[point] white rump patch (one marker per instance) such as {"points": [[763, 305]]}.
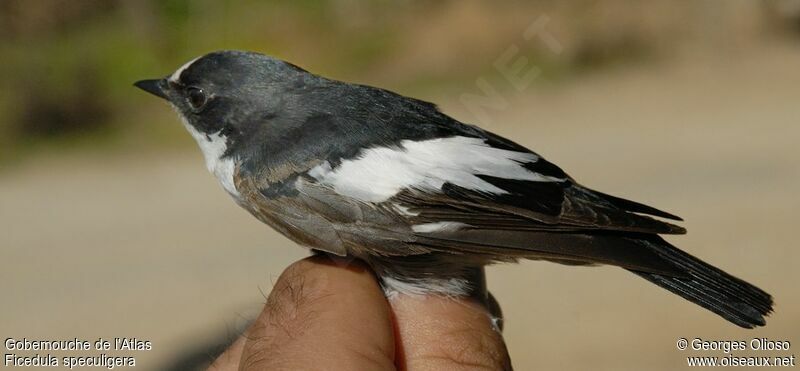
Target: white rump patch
{"points": [[377, 174], [438, 227], [177, 74], [213, 147], [438, 286]]}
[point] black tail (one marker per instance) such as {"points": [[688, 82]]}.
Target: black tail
{"points": [[733, 299]]}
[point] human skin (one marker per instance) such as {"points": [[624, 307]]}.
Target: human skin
{"points": [[325, 314]]}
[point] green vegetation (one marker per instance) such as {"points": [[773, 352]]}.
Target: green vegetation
{"points": [[68, 66]]}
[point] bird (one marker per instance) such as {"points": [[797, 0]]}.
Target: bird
{"points": [[426, 201]]}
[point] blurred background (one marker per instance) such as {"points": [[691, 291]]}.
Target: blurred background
{"points": [[111, 226]]}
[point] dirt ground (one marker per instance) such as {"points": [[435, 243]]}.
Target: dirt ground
{"points": [[148, 245]]}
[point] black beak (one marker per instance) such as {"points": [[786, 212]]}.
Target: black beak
{"points": [[155, 87]]}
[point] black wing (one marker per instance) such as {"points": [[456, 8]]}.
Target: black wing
{"points": [[538, 206], [555, 219]]}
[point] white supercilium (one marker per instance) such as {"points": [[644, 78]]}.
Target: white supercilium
{"points": [[177, 74]]}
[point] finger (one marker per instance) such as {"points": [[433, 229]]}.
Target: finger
{"points": [[321, 314], [444, 333], [229, 359]]}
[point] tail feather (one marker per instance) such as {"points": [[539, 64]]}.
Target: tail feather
{"points": [[735, 300], [646, 255]]}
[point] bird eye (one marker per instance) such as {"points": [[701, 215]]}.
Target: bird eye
{"points": [[196, 98]]}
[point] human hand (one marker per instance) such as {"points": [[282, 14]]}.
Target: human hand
{"points": [[321, 315]]}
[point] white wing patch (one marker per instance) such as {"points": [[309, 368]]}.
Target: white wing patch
{"points": [[405, 210], [377, 174], [213, 147], [438, 227]]}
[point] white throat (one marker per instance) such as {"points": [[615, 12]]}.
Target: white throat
{"points": [[213, 147]]}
